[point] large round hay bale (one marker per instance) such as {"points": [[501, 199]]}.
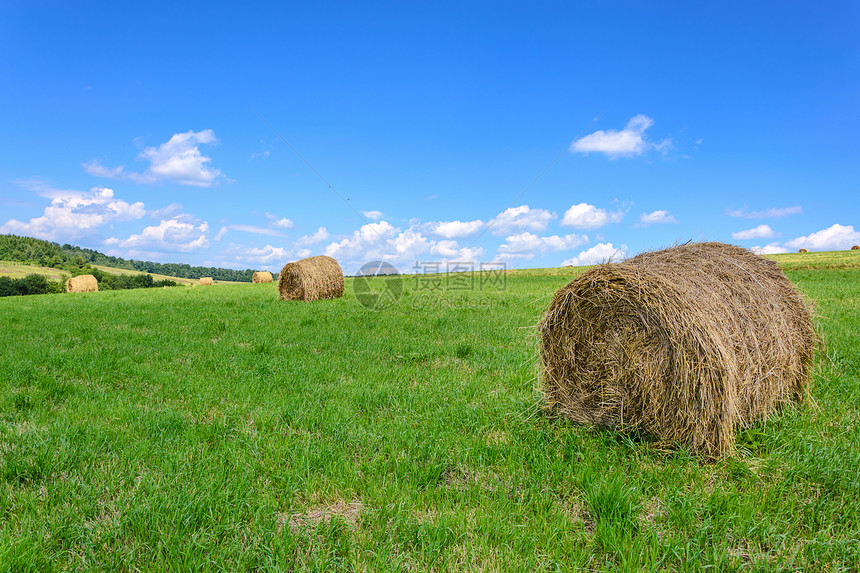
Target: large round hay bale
{"points": [[689, 344], [261, 277], [82, 283], [206, 281], [803, 251], [311, 279], [855, 248]]}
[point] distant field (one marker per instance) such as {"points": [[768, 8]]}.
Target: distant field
{"points": [[18, 270], [154, 276], [818, 260], [223, 429]]}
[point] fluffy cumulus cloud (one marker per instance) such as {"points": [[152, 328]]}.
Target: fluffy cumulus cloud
{"points": [[834, 238], [771, 249], [527, 245], [657, 218], [456, 229], [318, 237], [179, 160], [522, 218], [585, 216], [368, 239], [627, 142], [773, 212], [599, 253], [180, 234], [402, 248], [283, 223], [373, 215], [74, 214], [267, 255], [452, 251], [760, 232]]}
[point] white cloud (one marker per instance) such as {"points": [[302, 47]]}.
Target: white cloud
{"points": [[585, 216], [253, 229], [599, 253], [168, 212], [402, 248], [771, 249], [179, 234], [456, 229], [521, 219], [527, 245], [99, 170], [178, 160], [760, 232], [267, 255], [74, 214], [373, 215], [834, 238], [284, 223], [364, 240], [451, 251], [280, 222], [657, 217], [319, 236], [776, 212], [628, 142]]}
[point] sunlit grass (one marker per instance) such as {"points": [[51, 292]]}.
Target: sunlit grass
{"points": [[220, 428]]}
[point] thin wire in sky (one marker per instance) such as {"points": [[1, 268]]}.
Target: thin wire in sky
{"points": [[329, 185], [535, 180]]}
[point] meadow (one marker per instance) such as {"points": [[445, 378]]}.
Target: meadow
{"points": [[220, 429]]}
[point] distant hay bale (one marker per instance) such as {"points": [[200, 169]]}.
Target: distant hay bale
{"points": [[261, 277], [82, 283], [855, 248], [204, 281], [311, 279], [689, 344], [803, 251]]}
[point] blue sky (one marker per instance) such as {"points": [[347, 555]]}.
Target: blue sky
{"points": [[534, 133]]}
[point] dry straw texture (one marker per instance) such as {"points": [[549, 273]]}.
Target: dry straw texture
{"points": [[311, 279], [689, 344], [261, 277], [82, 283], [803, 251], [855, 248], [206, 280]]}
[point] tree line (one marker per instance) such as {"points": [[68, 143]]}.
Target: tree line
{"points": [[68, 257]]}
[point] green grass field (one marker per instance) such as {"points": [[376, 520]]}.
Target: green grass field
{"points": [[215, 429]]}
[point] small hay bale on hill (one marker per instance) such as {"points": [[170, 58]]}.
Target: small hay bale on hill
{"points": [[82, 283], [261, 277], [206, 281], [311, 279], [803, 251], [855, 248], [689, 344]]}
